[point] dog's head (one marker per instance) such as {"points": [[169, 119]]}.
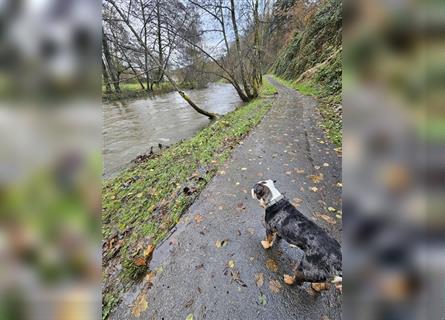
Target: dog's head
{"points": [[265, 191]]}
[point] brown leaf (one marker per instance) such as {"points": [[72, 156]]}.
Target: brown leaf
{"points": [[259, 279], [198, 218], [299, 170], [240, 207], [296, 202], [140, 261], [274, 286], [189, 303], [271, 265], [140, 305]]}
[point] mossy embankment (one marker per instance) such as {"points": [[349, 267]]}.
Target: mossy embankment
{"points": [[143, 203], [312, 64]]}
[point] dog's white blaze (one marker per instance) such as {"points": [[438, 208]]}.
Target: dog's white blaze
{"points": [[253, 193], [273, 190]]}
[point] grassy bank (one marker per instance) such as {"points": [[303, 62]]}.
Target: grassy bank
{"points": [[144, 202], [134, 90], [331, 120]]}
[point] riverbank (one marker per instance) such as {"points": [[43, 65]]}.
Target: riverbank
{"points": [[328, 107], [134, 90], [142, 204]]}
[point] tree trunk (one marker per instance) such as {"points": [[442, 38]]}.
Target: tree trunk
{"points": [[159, 36], [110, 64], [106, 78], [257, 76], [238, 50]]}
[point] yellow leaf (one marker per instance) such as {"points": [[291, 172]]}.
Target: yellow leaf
{"points": [[149, 250], [189, 317], [259, 279], [231, 264], [140, 305], [314, 189], [331, 209]]}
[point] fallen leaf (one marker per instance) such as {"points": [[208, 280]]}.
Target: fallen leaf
{"points": [[149, 277], [288, 172], [240, 207], [140, 261], [300, 171], [189, 303], [259, 279], [221, 243], [149, 250], [316, 167], [296, 202], [222, 172], [251, 231], [331, 209], [189, 317], [271, 265], [236, 277], [313, 189], [231, 264], [198, 218], [325, 164], [243, 169], [326, 218], [237, 183], [339, 184], [316, 178], [139, 195], [140, 305], [262, 299], [220, 208], [338, 216], [274, 286]]}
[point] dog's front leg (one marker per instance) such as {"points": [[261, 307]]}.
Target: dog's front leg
{"points": [[268, 242]]}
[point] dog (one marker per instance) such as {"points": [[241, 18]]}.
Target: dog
{"points": [[322, 259]]}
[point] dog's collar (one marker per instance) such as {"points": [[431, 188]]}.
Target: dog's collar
{"points": [[273, 201]]}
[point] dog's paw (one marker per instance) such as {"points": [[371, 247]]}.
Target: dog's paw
{"points": [[266, 244], [318, 287], [288, 279]]}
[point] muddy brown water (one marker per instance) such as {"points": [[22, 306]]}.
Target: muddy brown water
{"points": [[131, 127]]}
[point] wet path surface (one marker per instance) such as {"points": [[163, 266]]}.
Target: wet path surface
{"points": [[197, 273]]}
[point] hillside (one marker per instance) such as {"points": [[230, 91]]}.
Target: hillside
{"points": [[312, 63]]}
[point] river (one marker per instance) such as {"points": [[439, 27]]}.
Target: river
{"points": [[131, 127]]}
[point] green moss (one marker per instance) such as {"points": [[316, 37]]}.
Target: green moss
{"points": [[144, 202]]}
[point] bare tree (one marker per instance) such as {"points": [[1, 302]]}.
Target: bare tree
{"points": [[142, 38]]}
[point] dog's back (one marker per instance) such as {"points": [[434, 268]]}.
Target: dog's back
{"points": [[319, 247]]}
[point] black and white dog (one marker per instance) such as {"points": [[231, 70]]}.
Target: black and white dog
{"points": [[322, 260]]}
